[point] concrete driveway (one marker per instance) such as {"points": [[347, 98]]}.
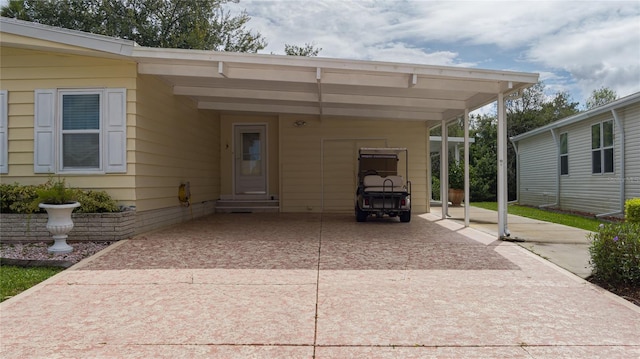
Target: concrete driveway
{"points": [[317, 286]]}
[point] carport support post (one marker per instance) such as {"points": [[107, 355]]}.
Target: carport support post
{"points": [[467, 198], [502, 168], [444, 170]]}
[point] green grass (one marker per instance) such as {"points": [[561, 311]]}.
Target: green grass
{"points": [[14, 280], [572, 220]]}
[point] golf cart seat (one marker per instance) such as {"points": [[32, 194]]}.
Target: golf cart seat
{"points": [[376, 183]]}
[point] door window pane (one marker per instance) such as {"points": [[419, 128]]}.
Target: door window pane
{"points": [[251, 154]]}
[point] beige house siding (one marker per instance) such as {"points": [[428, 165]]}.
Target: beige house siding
{"points": [[169, 141], [537, 170], [631, 119], [23, 71], [581, 190], [318, 160], [174, 143]]}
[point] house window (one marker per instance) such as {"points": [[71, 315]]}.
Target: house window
{"points": [[602, 147], [80, 135], [564, 154], [80, 131]]}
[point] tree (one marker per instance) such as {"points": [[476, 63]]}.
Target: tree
{"points": [[187, 24], [601, 96], [306, 50]]}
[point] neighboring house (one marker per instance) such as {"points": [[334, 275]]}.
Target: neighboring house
{"points": [[589, 162], [138, 122]]}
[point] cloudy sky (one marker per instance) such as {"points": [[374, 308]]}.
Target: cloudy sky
{"points": [[576, 46]]}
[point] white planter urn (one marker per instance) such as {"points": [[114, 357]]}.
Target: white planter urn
{"points": [[59, 224]]}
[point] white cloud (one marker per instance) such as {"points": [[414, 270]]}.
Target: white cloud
{"points": [[577, 46]]}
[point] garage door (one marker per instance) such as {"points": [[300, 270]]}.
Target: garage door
{"points": [[339, 168]]}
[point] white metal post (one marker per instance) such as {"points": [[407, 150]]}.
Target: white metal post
{"points": [[466, 168], [502, 168], [444, 170]]}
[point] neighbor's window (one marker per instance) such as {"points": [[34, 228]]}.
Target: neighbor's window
{"points": [[80, 131], [602, 147], [564, 154]]}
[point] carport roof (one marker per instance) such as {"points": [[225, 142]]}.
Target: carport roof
{"points": [[241, 82]]}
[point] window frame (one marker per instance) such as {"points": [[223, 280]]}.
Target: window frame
{"points": [[61, 131], [602, 149], [46, 131]]}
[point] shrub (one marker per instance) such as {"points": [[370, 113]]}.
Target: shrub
{"points": [[435, 188], [17, 198], [615, 253], [632, 210]]}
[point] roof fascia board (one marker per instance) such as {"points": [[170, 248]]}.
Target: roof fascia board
{"points": [[146, 54], [68, 37], [620, 103]]}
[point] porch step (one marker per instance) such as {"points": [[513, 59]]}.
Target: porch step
{"points": [[247, 206]]}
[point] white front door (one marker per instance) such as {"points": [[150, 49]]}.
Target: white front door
{"points": [[250, 160]]}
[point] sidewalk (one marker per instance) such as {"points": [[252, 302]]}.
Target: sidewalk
{"points": [[568, 247], [317, 286]]}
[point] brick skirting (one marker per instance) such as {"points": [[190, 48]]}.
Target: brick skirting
{"points": [[95, 227]]}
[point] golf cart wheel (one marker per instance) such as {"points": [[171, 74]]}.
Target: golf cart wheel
{"points": [[361, 216], [405, 216]]}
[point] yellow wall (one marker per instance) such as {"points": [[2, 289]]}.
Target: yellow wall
{"points": [[168, 139], [318, 161], [22, 71], [174, 143]]}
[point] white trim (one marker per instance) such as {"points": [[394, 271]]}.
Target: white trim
{"points": [[68, 37]]}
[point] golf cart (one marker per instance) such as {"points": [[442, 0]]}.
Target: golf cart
{"points": [[381, 190]]}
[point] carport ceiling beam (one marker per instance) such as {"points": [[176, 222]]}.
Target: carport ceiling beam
{"points": [[329, 111], [244, 93], [395, 101], [178, 70], [246, 107]]}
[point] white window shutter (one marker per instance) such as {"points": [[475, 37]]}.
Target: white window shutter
{"points": [[4, 132], [44, 131], [116, 131]]}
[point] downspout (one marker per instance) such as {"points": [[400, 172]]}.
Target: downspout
{"points": [[616, 120], [515, 148], [556, 140], [503, 231]]}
